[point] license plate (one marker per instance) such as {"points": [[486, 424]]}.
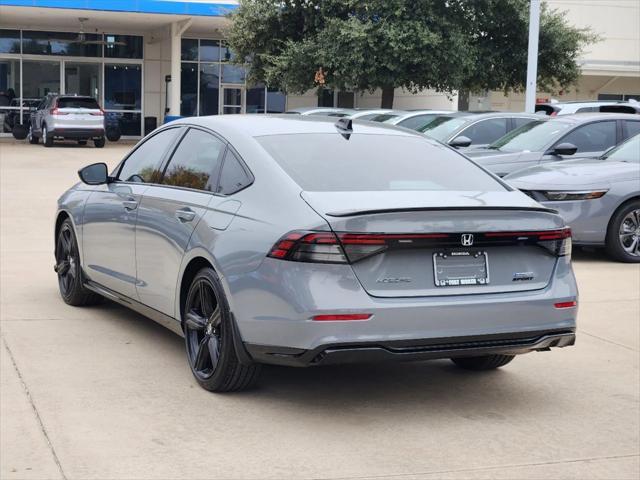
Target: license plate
{"points": [[460, 268]]}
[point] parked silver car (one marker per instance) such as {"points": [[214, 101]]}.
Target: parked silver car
{"points": [[464, 129], [583, 135], [68, 117], [603, 106], [294, 240], [598, 197]]}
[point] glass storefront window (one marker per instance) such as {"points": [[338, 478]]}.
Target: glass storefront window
{"points": [[123, 46], [227, 54], [127, 122], [40, 78], [209, 51], [82, 79], [9, 94], [60, 43], [9, 41], [189, 49], [122, 87], [256, 99], [209, 88], [276, 101], [188, 89], [233, 74]]}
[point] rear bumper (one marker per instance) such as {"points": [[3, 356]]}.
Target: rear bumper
{"points": [[78, 133], [413, 350]]}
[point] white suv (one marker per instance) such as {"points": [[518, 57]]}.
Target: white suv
{"points": [[70, 117], [554, 108]]}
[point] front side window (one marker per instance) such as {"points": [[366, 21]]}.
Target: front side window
{"points": [[593, 137], [486, 131], [143, 165], [195, 162], [233, 177], [365, 162]]}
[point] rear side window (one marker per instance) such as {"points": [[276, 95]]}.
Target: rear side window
{"points": [[631, 128], [144, 163], [593, 137], [234, 177], [364, 162], [486, 131], [74, 102], [518, 122], [196, 161]]}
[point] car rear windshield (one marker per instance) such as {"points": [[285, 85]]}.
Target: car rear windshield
{"points": [[325, 162], [77, 102]]}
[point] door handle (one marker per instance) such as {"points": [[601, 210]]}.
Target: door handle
{"points": [[185, 214], [130, 204]]}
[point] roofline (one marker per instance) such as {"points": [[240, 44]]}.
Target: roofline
{"points": [[166, 7]]}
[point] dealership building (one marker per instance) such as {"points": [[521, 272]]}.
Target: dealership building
{"points": [[145, 59]]}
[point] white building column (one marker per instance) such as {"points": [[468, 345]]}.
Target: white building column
{"points": [[177, 29]]}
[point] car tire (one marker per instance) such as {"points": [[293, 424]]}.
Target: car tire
{"points": [[99, 142], [485, 362], [82, 142], [113, 134], [33, 140], [69, 270], [209, 337], [623, 234], [47, 140], [19, 131]]}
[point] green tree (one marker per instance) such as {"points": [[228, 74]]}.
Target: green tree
{"points": [[364, 45]]}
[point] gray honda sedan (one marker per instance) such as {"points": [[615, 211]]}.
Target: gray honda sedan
{"points": [[598, 197], [306, 241]]}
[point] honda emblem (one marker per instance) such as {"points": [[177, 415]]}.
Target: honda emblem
{"points": [[467, 239]]}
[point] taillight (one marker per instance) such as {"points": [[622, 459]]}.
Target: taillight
{"points": [[571, 304], [55, 111], [349, 317], [558, 242], [316, 247], [100, 113]]}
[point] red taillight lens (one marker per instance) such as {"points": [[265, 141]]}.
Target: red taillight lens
{"points": [[316, 247], [341, 318], [100, 113], [55, 111], [571, 304], [558, 242]]}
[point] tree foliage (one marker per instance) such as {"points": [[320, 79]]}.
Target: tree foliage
{"points": [[363, 45]]}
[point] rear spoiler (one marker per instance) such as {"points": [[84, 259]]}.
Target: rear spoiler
{"points": [[354, 213]]}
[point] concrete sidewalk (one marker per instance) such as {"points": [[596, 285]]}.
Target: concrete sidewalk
{"points": [[103, 393]]}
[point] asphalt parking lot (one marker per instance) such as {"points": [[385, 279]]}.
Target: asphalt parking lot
{"points": [[103, 393]]}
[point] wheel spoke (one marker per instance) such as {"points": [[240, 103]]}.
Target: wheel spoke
{"points": [[63, 267], [633, 248], [216, 317], [203, 354], [214, 350], [195, 321]]}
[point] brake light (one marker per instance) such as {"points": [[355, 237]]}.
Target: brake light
{"points": [[316, 247], [571, 304], [100, 113], [56, 111], [341, 318], [558, 242]]}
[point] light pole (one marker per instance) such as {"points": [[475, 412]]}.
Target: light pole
{"points": [[532, 57]]}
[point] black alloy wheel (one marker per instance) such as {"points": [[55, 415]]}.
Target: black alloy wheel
{"points": [[69, 271], [209, 337]]}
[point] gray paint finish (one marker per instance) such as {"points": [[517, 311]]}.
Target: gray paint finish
{"points": [[273, 300]]}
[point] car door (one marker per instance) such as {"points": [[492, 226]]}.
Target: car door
{"points": [[111, 211], [169, 212], [36, 120], [484, 132], [591, 139]]}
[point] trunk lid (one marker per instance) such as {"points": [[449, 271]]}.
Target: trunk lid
{"points": [[423, 234]]}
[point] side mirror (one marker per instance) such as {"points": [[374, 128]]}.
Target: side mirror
{"points": [[460, 142], [565, 148], [94, 174]]}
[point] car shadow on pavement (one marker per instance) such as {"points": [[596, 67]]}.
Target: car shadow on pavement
{"points": [[435, 384]]}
